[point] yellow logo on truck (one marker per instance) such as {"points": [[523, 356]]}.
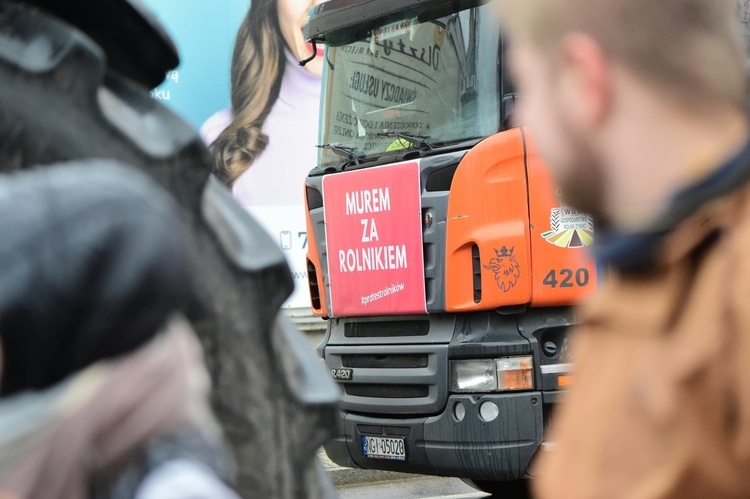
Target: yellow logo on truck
{"points": [[570, 228]]}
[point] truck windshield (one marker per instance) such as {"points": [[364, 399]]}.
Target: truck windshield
{"points": [[413, 85]]}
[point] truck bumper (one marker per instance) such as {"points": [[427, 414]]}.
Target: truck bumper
{"points": [[474, 447]]}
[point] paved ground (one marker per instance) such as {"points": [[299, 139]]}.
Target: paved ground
{"points": [[421, 487], [350, 476]]}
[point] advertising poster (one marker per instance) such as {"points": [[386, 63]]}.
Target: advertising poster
{"points": [[273, 127]]}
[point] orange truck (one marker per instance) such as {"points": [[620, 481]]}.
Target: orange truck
{"points": [[439, 251]]}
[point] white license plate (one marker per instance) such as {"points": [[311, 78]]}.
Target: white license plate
{"points": [[384, 448]]}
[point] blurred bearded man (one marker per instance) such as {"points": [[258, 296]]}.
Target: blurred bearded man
{"points": [[639, 106]]}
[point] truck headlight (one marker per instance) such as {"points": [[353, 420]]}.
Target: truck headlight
{"points": [[496, 375], [473, 376]]}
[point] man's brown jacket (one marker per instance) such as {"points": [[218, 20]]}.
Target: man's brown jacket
{"points": [[661, 400]]}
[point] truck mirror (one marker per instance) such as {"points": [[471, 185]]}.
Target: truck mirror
{"points": [[509, 110]]}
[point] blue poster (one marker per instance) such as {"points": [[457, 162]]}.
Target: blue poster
{"points": [[204, 32]]}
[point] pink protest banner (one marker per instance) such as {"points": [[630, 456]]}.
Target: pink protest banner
{"points": [[374, 239]]}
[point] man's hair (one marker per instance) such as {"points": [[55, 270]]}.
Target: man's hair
{"points": [[692, 48]]}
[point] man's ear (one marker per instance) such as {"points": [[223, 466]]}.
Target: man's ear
{"points": [[589, 77]]}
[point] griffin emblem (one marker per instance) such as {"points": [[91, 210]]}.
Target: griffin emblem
{"points": [[506, 268]]}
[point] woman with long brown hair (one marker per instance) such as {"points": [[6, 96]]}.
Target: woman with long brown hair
{"points": [[272, 125], [264, 146]]}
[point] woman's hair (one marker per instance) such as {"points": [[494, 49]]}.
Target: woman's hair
{"points": [[257, 71]]}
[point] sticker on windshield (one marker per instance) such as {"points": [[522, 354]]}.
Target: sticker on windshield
{"points": [[393, 30], [570, 228]]}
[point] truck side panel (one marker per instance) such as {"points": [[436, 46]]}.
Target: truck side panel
{"points": [[316, 279], [488, 256], [563, 272]]}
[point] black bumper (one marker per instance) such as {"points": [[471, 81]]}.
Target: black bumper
{"points": [[501, 449]]}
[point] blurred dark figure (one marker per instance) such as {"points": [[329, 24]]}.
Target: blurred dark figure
{"points": [[640, 108], [74, 84], [103, 392]]}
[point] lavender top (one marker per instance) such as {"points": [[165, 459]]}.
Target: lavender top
{"points": [[276, 177]]}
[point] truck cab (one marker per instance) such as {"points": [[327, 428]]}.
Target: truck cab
{"points": [[440, 253]]}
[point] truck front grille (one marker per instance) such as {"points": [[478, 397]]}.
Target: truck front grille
{"points": [[385, 361], [387, 391], [392, 379], [399, 364], [385, 329]]}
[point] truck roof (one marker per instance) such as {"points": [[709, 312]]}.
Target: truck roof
{"points": [[340, 22]]}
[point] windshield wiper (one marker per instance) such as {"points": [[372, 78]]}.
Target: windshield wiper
{"points": [[351, 153], [418, 141]]}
